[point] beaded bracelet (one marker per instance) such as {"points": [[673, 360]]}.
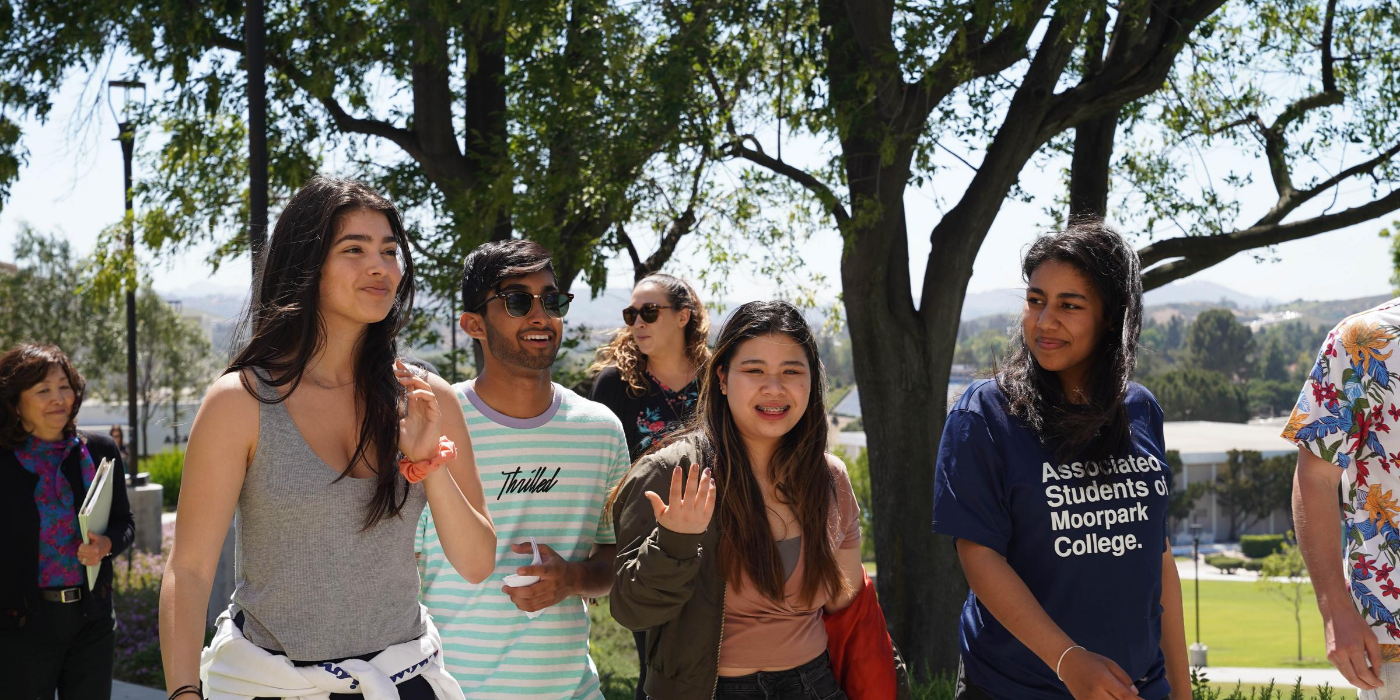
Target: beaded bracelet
{"points": [[415, 472]]}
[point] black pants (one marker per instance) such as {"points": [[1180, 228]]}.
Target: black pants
{"points": [[59, 650], [641, 639], [810, 681], [415, 688]]}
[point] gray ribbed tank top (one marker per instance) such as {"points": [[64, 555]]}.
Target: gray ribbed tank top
{"points": [[310, 583]]}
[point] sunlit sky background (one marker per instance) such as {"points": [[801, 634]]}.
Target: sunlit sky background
{"points": [[72, 185]]}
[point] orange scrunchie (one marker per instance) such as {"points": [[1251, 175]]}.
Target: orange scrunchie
{"points": [[415, 472]]}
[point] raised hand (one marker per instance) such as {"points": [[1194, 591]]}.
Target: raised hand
{"points": [[421, 425], [692, 502]]}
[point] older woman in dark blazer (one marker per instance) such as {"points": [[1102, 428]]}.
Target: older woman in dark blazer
{"points": [[56, 632]]}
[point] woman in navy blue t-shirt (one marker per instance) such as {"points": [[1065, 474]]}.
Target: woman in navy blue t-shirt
{"points": [[1053, 480]]}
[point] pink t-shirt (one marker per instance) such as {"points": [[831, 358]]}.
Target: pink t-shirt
{"points": [[759, 632]]}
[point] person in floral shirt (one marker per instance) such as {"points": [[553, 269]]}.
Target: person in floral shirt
{"points": [[1342, 425]]}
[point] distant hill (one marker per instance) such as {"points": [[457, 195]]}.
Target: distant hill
{"points": [[1009, 300], [1189, 291]]}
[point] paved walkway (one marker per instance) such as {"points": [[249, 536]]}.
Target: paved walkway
{"points": [[127, 691], [1282, 677], [1187, 571]]}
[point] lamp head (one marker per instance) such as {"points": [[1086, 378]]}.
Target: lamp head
{"points": [[125, 98]]}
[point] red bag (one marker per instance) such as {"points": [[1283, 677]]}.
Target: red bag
{"points": [[862, 655]]}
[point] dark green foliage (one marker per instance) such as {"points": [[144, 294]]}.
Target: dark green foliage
{"points": [[1249, 487], [1197, 394], [1224, 563], [1260, 546], [1220, 343], [1200, 690], [1269, 397], [165, 469]]}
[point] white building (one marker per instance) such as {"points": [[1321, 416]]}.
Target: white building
{"points": [[1204, 446]]}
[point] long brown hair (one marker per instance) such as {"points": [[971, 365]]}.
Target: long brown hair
{"points": [[623, 352], [20, 369], [802, 479], [287, 330]]}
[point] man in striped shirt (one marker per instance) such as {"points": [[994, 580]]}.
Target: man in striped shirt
{"points": [[548, 459]]}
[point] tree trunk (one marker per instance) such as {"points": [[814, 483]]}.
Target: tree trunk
{"points": [[1093, 140], [1089, 168]]}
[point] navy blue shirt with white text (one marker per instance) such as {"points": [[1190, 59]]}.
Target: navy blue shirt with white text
{"points": [[1086, 536]]}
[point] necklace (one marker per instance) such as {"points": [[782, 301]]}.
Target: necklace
{"points": [[324, 385], [667, 399]]}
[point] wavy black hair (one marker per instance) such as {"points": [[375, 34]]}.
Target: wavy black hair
{"points": [[1034, 393], [287, 329]]}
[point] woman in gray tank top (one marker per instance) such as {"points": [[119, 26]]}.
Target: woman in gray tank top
{"points": [[299, 445]]}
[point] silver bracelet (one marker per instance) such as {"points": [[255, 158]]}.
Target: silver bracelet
{"points": [[1062, 660]]}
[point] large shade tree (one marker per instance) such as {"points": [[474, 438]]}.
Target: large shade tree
{"points": [[1134, 90], [544, 119]]}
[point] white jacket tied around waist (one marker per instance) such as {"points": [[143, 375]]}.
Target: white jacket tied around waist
{"points": [[233, 668]]}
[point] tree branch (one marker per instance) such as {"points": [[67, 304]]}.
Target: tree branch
{"points": [[1132, 69], [798, 175], [626, 241], [1200, 252], [1286, 205], [403, 138]]}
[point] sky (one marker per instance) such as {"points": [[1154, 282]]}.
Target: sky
{"points": [[72, 185]]}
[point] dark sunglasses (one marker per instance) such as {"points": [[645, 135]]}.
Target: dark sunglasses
{"points": [[518, 304], [648, 312]]}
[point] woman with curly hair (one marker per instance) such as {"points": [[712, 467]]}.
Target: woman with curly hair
{"points": [[663, 345], [648, 374]]}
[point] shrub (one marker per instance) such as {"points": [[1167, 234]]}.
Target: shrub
{"points": [[1253, 565], [165, 469], [136, 600], [1224, 563], [1201, 690], [1260, 546]]}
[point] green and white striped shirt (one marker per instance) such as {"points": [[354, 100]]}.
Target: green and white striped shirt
{"points": [[549, 477]]}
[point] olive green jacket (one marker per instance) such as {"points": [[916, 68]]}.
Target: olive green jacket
{"points": [[667, 583]]}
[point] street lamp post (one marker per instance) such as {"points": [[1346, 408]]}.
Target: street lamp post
{"points": [[1198, 650], [127, 137]]}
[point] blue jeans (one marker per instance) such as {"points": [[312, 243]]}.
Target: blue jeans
{"points": [[810, 681]]}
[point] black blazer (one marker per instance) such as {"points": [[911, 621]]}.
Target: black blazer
{"points": [[19, 544]]}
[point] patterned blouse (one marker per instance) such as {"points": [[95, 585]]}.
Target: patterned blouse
{"points": [[58, 519], [650, 417]]}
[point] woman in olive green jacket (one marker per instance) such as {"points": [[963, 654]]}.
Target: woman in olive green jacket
{"points": [[759, 535]]}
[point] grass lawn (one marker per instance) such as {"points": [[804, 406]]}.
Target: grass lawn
{"points": [[1245, 626], [613, 650]]}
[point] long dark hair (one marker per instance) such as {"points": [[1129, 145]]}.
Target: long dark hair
{"points": [[1035, 394], [802, 480], [21, 368], [287, 329], [623, 351]]}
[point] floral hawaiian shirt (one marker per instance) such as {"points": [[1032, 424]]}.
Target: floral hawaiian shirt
{"points": [[1344, 415]]}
